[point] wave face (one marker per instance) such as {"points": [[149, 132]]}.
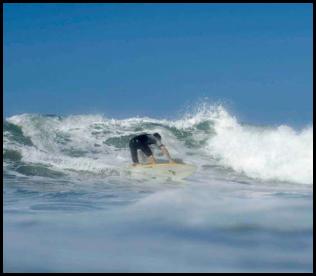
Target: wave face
{"points": [[54, 146]]}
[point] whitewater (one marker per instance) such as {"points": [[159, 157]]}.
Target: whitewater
{"points": [[69, 205]]}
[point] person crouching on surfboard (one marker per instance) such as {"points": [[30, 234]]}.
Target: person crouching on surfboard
{"points": [[142, 142]]}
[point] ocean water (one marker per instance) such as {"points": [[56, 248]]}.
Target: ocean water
{"points": [[69, 205]]}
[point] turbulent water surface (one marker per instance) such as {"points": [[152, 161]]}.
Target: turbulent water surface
{"points": [[71, 206]]}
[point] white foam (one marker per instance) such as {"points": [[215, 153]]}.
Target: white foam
{"points": [[267, 153]]}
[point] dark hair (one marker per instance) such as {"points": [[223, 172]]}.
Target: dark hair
{"points": [[157, 135]]}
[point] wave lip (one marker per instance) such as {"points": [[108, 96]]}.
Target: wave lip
{"points": [[279, 153]]}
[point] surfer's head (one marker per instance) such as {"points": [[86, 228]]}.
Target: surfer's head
{"points": [[157, 135]]}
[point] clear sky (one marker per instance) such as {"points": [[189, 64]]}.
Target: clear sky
{"points": [[124, 60]]}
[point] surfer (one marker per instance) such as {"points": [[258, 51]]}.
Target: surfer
{"points": [[142, 142]]}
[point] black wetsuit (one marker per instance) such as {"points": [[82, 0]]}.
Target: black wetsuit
{"points": [[142, 142]]}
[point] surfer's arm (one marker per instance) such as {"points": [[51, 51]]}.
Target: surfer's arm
{"points": [[166, 153]]}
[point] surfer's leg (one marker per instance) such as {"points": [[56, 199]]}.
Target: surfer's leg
{"points": [[133, 150], [151, 159], [146, 149]]}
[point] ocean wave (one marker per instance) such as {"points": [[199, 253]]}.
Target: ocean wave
{"points": [[93, 143]]}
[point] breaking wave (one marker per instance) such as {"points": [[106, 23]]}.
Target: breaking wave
{"points": [[54, 146]]}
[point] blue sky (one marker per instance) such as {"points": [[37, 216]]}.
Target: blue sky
{"points": [[124, 60]]}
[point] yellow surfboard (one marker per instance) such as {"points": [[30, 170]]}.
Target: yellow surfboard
{"points": [[174, 171]]}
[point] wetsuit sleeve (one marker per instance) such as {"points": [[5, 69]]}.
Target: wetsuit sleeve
{"points": [[156, 141]]}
